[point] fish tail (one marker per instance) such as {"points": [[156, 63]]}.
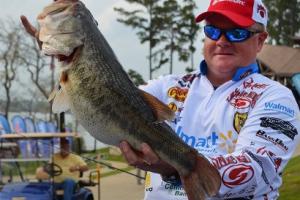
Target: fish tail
{"points": [[203, 181]]}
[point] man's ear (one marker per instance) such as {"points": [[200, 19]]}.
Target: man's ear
{"points": [[261, 40]]}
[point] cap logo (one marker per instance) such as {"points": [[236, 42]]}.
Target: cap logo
{"points": [[261, 10], [240, 2]]}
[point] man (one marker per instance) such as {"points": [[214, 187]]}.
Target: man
{"points": [[244, 123], [71, 165]]}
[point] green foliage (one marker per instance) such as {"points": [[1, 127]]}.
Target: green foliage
{"points": [[284, 18], [144, 20], [136, 78], [290, 188], [167, 25]]}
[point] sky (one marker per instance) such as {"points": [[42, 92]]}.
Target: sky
{"points": [[122, 39]]}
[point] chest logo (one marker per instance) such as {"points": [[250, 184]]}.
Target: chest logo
{"points": [[242, 99], [239, 120]]}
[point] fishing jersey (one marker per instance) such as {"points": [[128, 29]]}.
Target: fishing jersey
{"points": [[247, 128]]}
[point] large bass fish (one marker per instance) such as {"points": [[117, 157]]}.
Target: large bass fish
{"points": [[99, 93]]}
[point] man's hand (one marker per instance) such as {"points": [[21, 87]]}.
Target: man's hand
{"points": [[82, 168], [146, 159], [74, 168]]}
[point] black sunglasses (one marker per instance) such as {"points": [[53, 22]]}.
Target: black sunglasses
{"points": [[232, 35]]}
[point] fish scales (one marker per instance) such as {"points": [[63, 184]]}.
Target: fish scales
{"points": [[104, 100], [116, 110]]}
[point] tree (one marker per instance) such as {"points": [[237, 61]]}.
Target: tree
{"points": [[169, 28], [170, 18], [146, 23], [190, 31], [136, 78], [41, 69], [10, 38], [284, 18]]}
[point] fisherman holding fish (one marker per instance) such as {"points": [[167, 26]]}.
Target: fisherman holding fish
{"points": [[244, 123], [233, 130]]}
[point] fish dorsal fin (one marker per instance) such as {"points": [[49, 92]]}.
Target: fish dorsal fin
{"points": [[161, 111], [60, 101]]}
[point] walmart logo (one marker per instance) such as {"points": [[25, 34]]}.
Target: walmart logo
{"points": [[210, 144], [279, 107], [228, 141]]}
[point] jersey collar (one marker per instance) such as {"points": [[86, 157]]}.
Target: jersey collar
{"points": [[241, 72]]}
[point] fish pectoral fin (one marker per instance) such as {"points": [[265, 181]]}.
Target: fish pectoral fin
{"points": [[61, 102], [161, 111]]}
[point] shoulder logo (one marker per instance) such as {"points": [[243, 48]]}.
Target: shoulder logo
{"points": [[178, 93]]}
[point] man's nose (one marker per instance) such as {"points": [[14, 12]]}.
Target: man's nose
{"points": [[222, 41]]}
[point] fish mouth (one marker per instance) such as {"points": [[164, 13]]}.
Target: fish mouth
{"points": [[67, 59]]}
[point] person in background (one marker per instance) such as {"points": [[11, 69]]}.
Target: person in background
{"points": [[244, 123], [71, 166]]}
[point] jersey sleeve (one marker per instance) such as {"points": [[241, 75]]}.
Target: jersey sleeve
{"points": [[154, 87], [265, 144]]}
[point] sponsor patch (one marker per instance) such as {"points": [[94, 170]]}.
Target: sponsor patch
{"points": [[222, 161], [239, 120], [228, 141], [178, 93], [198, 142], [173, 106], [278, 142], [211, 143], [284, 127], [280, 108], [187, 80], [148, 187], [245, 74], [242, 99], [237, 175], [261, 11], [250, 84]]}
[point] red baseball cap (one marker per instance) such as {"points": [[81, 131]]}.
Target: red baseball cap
{"points": [[244, 13]]}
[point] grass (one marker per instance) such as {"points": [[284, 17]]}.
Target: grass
{"points": [[290, 189]]}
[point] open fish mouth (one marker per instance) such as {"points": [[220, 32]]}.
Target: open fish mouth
{"points": [[67, 59], [60, 31]]}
